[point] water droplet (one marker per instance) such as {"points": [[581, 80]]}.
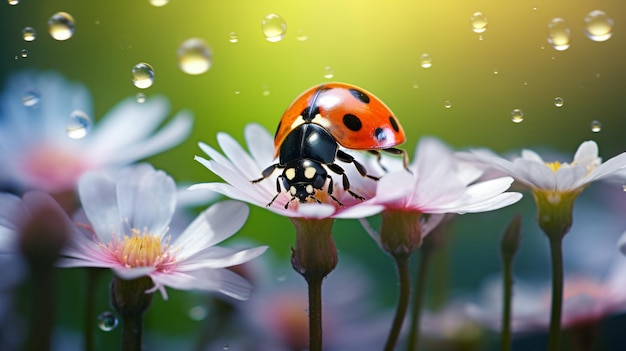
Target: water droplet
{"points": [[198, 313], [517, 115], [426, 61], [596, 126], [13, 2], [496, 72], [265, 90], [140, 97], [558, 34], [226, 347], [415, 86], [143, 75], [237, 92], [61, 26], [447, 104], [158, 3], [274, 27], [78, 124], [29, 34], [598, 26], [30, 99], [478, 22], [232, 37], [194, 56], [624, 187], [301, 35], [558, 101], [24, 53], [329, 73], [107, 321], [281, 278]]}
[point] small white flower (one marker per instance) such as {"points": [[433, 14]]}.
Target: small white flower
{"points": [[36, 152], [531, 170], [130, 211], [238, 168]]}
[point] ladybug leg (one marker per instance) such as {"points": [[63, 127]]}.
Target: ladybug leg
{"points": [[266, 173], [347, 158], [378, 158], [346, 184], [398, 152], [330, 189], [278, 190]]}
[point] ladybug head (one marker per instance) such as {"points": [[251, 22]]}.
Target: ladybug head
{"points": [[302, 177]]}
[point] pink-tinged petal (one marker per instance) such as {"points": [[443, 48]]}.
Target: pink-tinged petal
{"points": [[260, 143], [146, 198], [121, 126], [99, 201], [530, 155], [133, 273], [218, 257], [165, 138], [491, 204], [317, 211], [359, 211], [221, 280], [608, 169], [389, 190], [587, 154], [212, 226], [432, 222]]}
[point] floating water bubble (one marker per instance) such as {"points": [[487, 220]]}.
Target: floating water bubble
{"points": [[558, 101], [143, 75], [23, 53], [415, 86], [30, 98], [496, 72], [598, 26], [61, 26], [426, 61], [517, 115], [447, 104], [140, 98], [265, 90], [274, 27], [596, 126], [559, 34], [159, 3], [107, 321], [225, 347], [29, 34], [237, 92], [624, 187], [478, 22], [281, 278], [194, 56], [232, 37], [13, 2], [301, 35], [329, 73], [198, 313], [78, 124]]}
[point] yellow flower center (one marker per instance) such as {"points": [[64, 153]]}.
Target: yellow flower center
{"points": [[142, 249], [554, 166]]}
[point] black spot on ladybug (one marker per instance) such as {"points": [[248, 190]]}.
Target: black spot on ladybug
{"points": [[309, 113], [394, 124], [277, 129], [352, 122], [380, 134], [360, 95]]}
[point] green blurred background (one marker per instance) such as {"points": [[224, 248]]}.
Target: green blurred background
{"points": [[376, 45]]}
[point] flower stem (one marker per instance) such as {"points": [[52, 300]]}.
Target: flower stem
{"points": [[556, 251], [314, 257], [131, 301], [404, 279], [418, 297], [509, 245]]}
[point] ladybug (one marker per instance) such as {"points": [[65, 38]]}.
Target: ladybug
{"points": [[312, 128]]}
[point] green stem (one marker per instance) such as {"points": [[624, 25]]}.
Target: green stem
{"points": [[556, 252], [130, 300], [507, 277], [418, 298], [404, 279], [132, 326], [315, 314]]}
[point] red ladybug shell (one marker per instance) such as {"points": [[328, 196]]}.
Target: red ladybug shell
{"points": [[354, 117]]}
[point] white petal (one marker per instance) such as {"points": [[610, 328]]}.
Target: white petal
{"points": [[530, 155], [212, 226], [587, 154], [167, 137], [221, 280], [608, 169], [359, 211], [567, 177], [99, 200], [535, 174], [493, 203], [146, 198], [260, 143], [219, 257], [317, 211], [241, 159], [12, 211]]}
